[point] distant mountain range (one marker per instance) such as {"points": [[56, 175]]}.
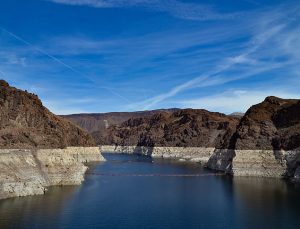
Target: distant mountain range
{"points": [[100, 121]]}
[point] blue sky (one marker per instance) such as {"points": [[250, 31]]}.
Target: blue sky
{"points": [[126, 55]]}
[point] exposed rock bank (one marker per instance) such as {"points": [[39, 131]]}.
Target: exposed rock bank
{"points": [[37, 148], [194, 154], [30, 172], [260, 163]]}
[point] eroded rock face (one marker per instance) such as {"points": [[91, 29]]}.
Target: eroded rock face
{"points": [[30, 172], [221, 160], [181, 128], [273, 124], [26, 123]]}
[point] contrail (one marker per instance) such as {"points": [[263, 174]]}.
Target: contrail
{"points": [[2, 73], [59, 61]]}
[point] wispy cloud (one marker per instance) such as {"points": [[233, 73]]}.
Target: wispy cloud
{"points": [[70, 105], [21, 61], [144, 67], [183, 10], [215, 76], [235, 100]]}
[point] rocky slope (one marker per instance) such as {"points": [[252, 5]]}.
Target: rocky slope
{"points": [[273, 124], [180, 128], [37, 148], [26, 123]]}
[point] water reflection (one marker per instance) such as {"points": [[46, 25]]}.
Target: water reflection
{"points": [[29, 212], [262, 202], [157, 202]]}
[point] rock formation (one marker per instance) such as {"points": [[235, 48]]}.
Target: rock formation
{"points": [[273, 124], [266, 141], [37, 148], [26, 123], [180, 128]]}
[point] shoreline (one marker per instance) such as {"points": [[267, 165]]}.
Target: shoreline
{"points": [[30, 171], [247, 163]]}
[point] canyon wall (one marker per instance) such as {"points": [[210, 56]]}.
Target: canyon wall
{"points": [[264, 142], [38, 148], [31, 171]]}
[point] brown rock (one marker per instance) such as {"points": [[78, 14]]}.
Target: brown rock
{"points": [[272, 124], [26, 123], [181, 128], [3, 83]]}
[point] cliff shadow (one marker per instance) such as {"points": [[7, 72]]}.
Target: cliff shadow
{"points": [[143, 150]]}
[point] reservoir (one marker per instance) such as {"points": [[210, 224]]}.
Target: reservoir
{"points": [[130, 191]]}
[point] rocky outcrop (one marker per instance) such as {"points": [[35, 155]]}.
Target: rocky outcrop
{"points": [[266, 142], [273, 124], [30, 172], [26, 123], [181, 128]]}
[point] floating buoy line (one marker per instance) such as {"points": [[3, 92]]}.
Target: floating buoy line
{"points": [[154, 175]]}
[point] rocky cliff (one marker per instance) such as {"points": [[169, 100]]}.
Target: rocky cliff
{"points": [[38, 148], [266, 142], [180, 128], [26, 123]]}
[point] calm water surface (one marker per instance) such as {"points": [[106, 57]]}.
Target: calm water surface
{"points": [[143, 202]]}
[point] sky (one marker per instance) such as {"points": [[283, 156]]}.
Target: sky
{"points": [[90, 56]]}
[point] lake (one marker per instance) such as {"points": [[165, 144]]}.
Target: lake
{"points": [[130, 191]]}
